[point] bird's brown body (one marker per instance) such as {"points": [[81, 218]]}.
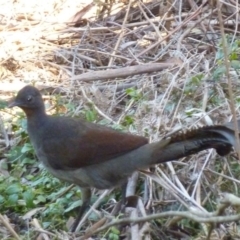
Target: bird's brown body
{"points": [[91, 155], [81, 151]]}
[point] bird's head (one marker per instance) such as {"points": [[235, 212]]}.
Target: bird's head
{"points": [[28, 98]]}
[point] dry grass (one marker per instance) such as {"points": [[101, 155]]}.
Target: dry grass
{"points": [[39, 45]]}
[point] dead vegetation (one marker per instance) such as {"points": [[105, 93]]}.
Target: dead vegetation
{"points": [[152, 67]]}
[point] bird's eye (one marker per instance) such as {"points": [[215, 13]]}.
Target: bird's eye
{"points": [[29, 98]]}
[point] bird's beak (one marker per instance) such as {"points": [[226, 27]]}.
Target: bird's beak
{"points": [[12, 103]]}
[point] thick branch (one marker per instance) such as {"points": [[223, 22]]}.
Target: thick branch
{"points": [[122, 72]]}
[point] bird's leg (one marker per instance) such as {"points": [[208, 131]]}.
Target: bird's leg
{"points": [[86, 198], [126, 201], [123, 190], [120, 206]]}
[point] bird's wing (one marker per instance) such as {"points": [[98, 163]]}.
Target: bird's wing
{"points": [[94, 145]]}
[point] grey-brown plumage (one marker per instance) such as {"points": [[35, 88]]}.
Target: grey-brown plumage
{"points": [[91, 155]]}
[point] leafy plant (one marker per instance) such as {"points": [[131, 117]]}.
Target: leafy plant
{"points": [[193, 84], [135, 94], [3, 104], [233, 49]]}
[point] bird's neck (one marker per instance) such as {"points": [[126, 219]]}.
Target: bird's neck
{"points": [[36, 117]]}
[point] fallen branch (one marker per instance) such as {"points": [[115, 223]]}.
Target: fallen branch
{"points": [[121, 72], [194, 214], [186, 214]]}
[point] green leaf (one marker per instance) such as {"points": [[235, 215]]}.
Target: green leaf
{"points": [[197, 79], [28, 196], [12, 199], [233, 56], [235, 64], [128, 120], [14, 154], [27, 160], [219, 54], [27, 147], [2, 199], [90, 116], [40, 199], [14, 188], [134, 93], [73, 206], [115, 230], [113, 236], [3, 104], [37, 182], [219, 71]]}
